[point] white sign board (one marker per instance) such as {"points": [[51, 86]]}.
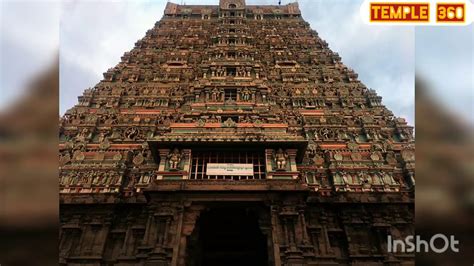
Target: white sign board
{"points": [[245, 169]]}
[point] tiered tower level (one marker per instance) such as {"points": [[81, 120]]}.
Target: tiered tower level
{"points": [[234, 111]]}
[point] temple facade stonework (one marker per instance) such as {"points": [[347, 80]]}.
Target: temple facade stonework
{"points": [[232, 135]]}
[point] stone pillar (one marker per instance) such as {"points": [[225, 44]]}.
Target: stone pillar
{"points": [[178, 239], [163, 160], [324, 238], [268, 162], [292, 159], [188, 223], [302, 222], [159, 232], [150, 229], [293, 254], [275, 233], [186, 162]]}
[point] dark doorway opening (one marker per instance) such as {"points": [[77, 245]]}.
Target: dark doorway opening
{"points": [[227, 236]]}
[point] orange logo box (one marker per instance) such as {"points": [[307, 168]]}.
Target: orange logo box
{"points": [[450, 12], [399, 12]]}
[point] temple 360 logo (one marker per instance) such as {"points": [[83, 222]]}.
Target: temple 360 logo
{"points": [[416, 12], [438, 243]]}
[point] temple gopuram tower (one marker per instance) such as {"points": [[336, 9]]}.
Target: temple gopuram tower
{"points": [[232, 135]]}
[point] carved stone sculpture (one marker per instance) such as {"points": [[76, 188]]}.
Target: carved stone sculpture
{"points": [[281, 158], [174, 159]]}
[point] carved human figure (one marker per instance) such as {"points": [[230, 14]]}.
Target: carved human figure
{"points": [[341, 135], [373, 179], [174, 158], [86, 179], [237, 72], [65, 157], [366, 180], [118, 180], [96, 180], [221, 72], [388, 179], [215, 95], [248, 71], [347, 178], [325, 133], [131, 133], [102, 137], [106, 179], [338, 178], [83, 135], [367, 134], [245, 94], [281, 159], [66, 179], [241, 72], [362, 178]]}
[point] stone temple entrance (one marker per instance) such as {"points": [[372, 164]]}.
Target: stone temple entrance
{"points": [[227, 236]]}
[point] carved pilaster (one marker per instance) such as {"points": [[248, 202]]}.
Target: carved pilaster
{"points": [[163, 153], [274, 210]]}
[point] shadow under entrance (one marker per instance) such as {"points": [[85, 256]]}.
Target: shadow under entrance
{"points": [[227, 236]]}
